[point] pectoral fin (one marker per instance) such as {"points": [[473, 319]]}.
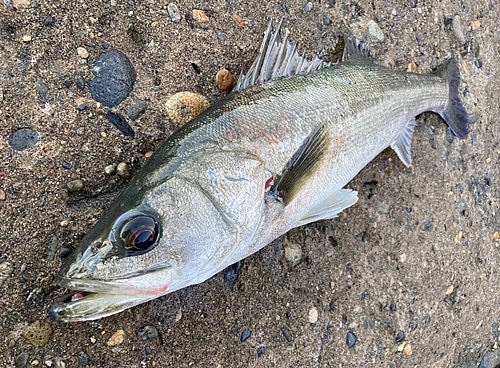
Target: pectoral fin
{"points": [[402, 145], [331, 207]]}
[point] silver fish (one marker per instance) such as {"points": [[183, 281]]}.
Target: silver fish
{"points": [[273, 155]]}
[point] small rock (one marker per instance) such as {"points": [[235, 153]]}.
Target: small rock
{"points": [[136, 110], [38, 333], [449, 135], [148, 333], [173, 12], [184, 106], [286, 334], [66, 166], [364, 294], [478, 63], [82, 107], [326, 19], [402, 257], [238, 20], [442, 153], [224, 80], [123, 170], [82, 52], [42, 90], [105, 45], [407, 350], [147, 350], [427, 130], [75, 186], [35, 298], [110, 169], [432, 142], [23, 139], [350, 340], [80, 131], [230, 273], [80, 82], [245, 335], [491, 359], [457, 29], [260, 351], [475, 25], [400, 336], [117, 338], [308, 7], [5, 271], [2, 195], [21, 360], [54, 241], [293, 253], [313, 315], [394, 12], [199, 16], [67, 82], [26, 38], [375, 31], [83, 359], [412, 68], [114, 78], [64, 253], [221, 36], [383, 208], [49, 21], [120, 123], [496, 236], [413, 4], [461, 208]]}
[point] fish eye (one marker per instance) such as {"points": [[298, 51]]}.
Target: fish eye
{"points": [[139, 234]]}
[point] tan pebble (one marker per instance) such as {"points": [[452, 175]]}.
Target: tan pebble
{"points": [[313, 315], [35, 363], [184, 106], [224, 80], [103, 134], [82, 52], [496, 236], [178, 316], [402, 257], [75, 186], [458, 237], [123, 170], [154, 24], [117, 338], [38, 333], [3, 196], [93, 339], [64, 223], [238, 20], [475, 25], [479, 324], [401, 346], [26, 38], [450, 290], [408, 350], [488, 160], [466, 69], [412, 68], [148, 154], [199, 16]]}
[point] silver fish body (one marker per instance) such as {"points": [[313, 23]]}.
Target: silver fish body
{"points": [[248, 169]]}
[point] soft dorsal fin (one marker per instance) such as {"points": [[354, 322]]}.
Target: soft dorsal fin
{"points": [[355, 49], [402, 145], [277, 59], [302, 166]]}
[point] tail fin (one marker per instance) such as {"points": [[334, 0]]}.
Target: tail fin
{"points": [[454, 114]]}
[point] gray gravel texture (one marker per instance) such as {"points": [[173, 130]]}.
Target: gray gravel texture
{"points": [[438, 265]]}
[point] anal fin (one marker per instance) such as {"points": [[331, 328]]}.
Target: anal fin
{"points": [[331, 207], [402, 145]]}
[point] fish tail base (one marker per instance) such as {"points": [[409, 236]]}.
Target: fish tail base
{"points": [[454, 114]]}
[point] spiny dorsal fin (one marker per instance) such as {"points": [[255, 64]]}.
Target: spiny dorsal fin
{"points": [[402, 145], [277, 59], [355, 49], [302, 166]]}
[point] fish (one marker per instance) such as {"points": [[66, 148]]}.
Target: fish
{"points": [[274, 154]]}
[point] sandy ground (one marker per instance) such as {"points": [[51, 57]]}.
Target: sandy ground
{"points": [[415, 255]]}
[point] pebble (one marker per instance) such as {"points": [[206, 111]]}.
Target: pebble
{"points": [[83, 359], [148, 333], [110, 169], [147, 350], [432, 142], [412, 68], [394, 12], [442, 153], [23, 139], [114, 78], [286, 334], [313, 315], [383, 208], [293, 253], [38, 333], [427, 130], [260, 351], [457, 29], [413, 4], [3, 197], [221, 36], [80, 82], [75, 186], [67, 82], [64, 253], [449, 135], [400, 336], [117, 338], [491, 359], [135, 111], [375, 31], [120, 123], [478, 63], [54, 241], [82, 52], [66, 166], [184, 106], [224, 80], [42, 90], [308, 7], [350, 340], [461, 208], [230, 273], [475, 25], [407, 350], [35, 298], [21, 360], [364, 294], [5, 271], [496, 236], [238, 20], [82, 107], [173, 12], [245, 335], [199, 16], [26, 38], [123, 170], [49, 21], [326, 19]]}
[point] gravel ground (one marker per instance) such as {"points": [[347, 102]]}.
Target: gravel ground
{"points": [[408, 277]]}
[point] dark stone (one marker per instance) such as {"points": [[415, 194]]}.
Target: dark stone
{"points": [[67, 166], [260, 351], [148, 333], [326, 19], [23, 139], [21, 360], [114, 78], [136, 110], [221, 36], [64, 253], [491, 359], [83, 360], [364, 294], [105, 45], [49, 22], [245, 335], [478, 63], [462, 208], [286, 334], [429, 224], [427, 130], [160, 127], [400, 336], [449, 135], [427, 319], [350, 340], [42, 90], [35, 298], [67, 82], [393, 307], [147, 350], [120, 123], [80, 82], [413, 3], [82, 107], [432, 143], [231, 273]]}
